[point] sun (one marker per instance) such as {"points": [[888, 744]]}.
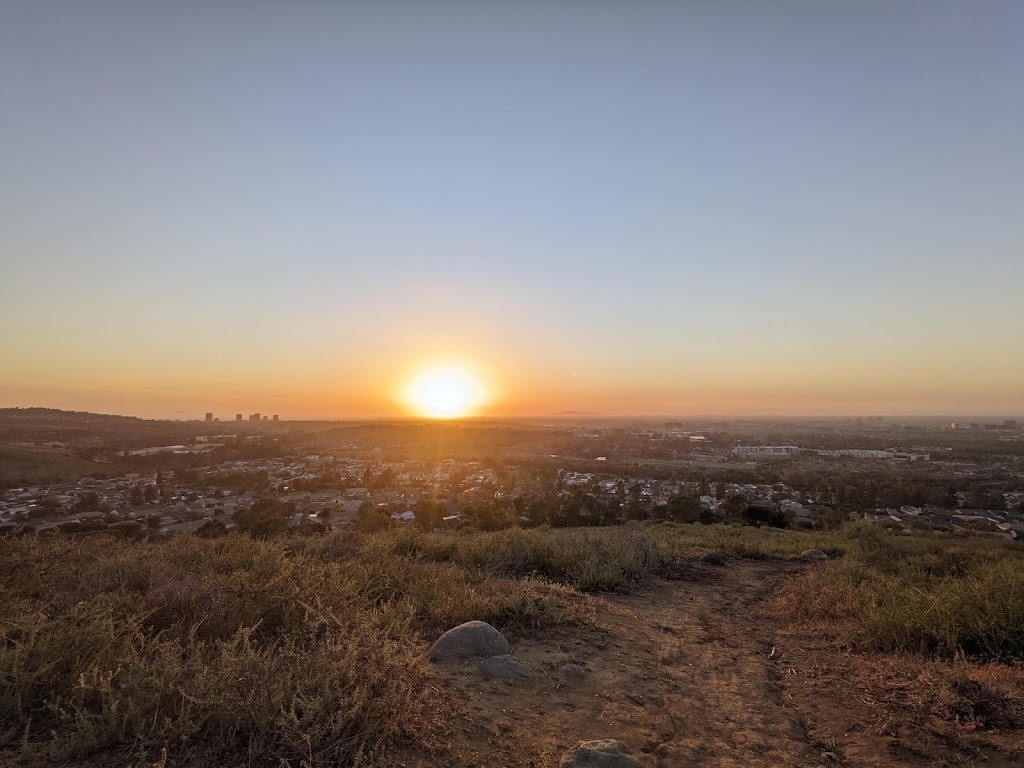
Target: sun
{"points": [[445, 392]]}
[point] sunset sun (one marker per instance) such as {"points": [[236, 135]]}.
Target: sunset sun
{"points": [[445, 392]]}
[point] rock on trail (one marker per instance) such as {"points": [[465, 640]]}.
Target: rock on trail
{"points": [[472, 639], [607, 753], [503, 666], [813, 554]]}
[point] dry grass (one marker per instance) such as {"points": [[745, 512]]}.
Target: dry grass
{"points": [[234, 651], [309, 651], [939, 599], [599, 559], [690, 540]]}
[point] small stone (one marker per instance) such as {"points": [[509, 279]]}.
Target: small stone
{"points": [[714, 558], [503, 666], [474, 638], [606, 753], [572, 670], [813, 554]]}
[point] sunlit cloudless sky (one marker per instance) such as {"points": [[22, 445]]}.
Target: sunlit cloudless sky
{"points": [[629, 207]]}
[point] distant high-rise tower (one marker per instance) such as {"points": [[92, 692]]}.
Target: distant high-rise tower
{"points": [[254, 417], [209, 417], [274, 417], [238, 417]]}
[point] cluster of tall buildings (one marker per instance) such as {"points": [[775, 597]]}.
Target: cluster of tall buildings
{"points": [[238, 418]]}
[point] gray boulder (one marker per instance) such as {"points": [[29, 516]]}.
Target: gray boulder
{"points": [[503, 666], [474, 638], [714, 558], [607, 753], [813, 554]]}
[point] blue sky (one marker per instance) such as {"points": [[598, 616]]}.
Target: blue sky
{"points": [[628, 207]]}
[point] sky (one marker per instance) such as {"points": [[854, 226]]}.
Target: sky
{"points": [[625, 208]]}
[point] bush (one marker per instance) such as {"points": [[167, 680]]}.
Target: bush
{"points": [[907, 594], [743, 541], [588, 559], [230, 650], [760, 515]]}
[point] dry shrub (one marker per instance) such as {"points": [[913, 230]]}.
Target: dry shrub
{"points": [[975, 697], [597, 559], [692, 539], [235, 651], [937, 599]]}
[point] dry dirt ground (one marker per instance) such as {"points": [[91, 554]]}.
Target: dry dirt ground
{"points": [[695, 671]]}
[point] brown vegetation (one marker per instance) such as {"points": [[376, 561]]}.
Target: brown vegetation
{"points": [[310, 650]]}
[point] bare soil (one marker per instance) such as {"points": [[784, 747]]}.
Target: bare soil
{"points": [[696, 671]]}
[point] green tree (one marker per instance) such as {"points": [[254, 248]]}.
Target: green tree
{"points": [[428, 514], [635, 508], [684, 509], [90, 502], [828, 519], [135, 497], [735, 506], [266, 518], [371, 519], [211, 529], [50, 503], [385, 479], [759, 514]]}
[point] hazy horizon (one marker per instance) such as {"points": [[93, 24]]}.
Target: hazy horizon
{"points": [[563, 416], [636, 209]]}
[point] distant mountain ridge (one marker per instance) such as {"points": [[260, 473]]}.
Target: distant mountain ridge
{"points": [[56, 413]]}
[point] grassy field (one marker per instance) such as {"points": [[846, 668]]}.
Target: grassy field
{"points": [[23, 465], [683, 463], [937, 598], [310, 651], [300, 652]]}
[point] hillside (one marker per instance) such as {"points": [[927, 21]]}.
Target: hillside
{"points": [[311, 651], [27, 465]]}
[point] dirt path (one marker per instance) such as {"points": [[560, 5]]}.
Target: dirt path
{"points": [[680, 672], [694, 671]]}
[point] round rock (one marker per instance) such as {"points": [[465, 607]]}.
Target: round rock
{"points": [[572, 670], [714, 558], [813, 554], [503, 666], [607, 753], [474, 638]]}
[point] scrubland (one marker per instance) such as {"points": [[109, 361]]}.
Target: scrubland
{"points": [[310, 651]]}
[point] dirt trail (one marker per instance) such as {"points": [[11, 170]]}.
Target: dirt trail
{"points": [[680, 672], [694, 671]]}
